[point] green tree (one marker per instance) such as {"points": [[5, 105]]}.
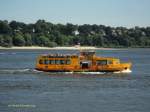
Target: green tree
{"points": [[4, 27], [98, 40], [86, 40], [41, 26], [1, 40], [18, 40], [7, 41], [28, 39], [42, 41], [85, 29], [58, 38], [70, 29], [17, 26], [52, 44]]}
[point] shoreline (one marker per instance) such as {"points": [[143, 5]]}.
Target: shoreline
{"points": [[56, 48]]}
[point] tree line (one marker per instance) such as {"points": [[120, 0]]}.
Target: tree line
{"points": [[44, 33]]}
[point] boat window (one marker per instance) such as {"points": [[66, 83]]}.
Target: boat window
{"points": [[73, 56], [117, 61], [62, 62], [68, 56], [51, 61], [109, 62], [68, 62], [50, 56], [40, 61], [57, 62], [46, 62], [102, 62]]}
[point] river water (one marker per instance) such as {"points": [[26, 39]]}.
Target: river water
{"points": [[23, 89]]}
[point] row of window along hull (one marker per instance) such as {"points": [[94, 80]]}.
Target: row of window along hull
{"points": [[55, 62], [68, 62]]}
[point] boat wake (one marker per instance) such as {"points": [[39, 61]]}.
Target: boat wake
{"points": [[99, 73], [18, 71], [124, 71], [88, 73]]}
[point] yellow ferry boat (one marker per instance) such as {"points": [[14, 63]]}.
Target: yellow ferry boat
{"points": [[87, 61]]}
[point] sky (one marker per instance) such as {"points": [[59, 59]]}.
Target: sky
{"points": [[127, 13]]}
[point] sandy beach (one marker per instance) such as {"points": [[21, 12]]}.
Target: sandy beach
{"points": [[58, 48]]}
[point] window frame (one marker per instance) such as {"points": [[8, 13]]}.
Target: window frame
{"points": [[101, 62]]}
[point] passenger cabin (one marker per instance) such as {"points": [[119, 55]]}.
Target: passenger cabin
{"points": [[57, 62]]}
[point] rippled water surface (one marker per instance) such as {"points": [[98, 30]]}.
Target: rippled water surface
{"points": [[22, 89]]}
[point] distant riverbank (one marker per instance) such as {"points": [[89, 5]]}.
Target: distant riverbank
{"points": [[59, 48]]}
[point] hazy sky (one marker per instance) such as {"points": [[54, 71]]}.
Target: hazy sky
{"points": [[126, 13]]}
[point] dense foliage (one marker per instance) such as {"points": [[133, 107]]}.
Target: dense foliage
{"points": [[44, 33]]}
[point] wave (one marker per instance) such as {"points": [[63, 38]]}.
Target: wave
{"points": [[8, 53], [2, 53], [21, 70], [13, 70]]}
